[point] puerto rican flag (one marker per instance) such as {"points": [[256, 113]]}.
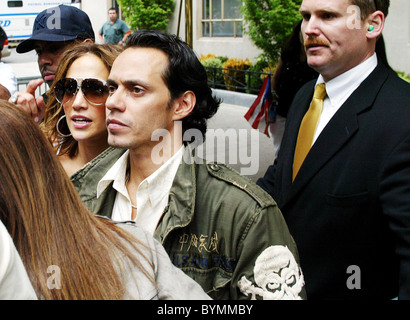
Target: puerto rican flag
{"points": [[257, 114]]}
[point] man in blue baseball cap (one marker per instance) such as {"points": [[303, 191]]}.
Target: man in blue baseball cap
{"points": [[55, 30]]}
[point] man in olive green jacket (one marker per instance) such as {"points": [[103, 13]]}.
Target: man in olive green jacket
{"points": [[216, 225]]}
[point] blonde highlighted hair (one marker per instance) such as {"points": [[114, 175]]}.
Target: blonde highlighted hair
{"points": [[54, 110]]}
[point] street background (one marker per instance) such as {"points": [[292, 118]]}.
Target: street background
{"points": [[229, 116]]}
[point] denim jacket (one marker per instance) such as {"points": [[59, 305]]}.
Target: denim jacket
{"points": [[218, 227]]}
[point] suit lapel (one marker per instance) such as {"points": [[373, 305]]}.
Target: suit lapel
{"points": [[341, 128]]}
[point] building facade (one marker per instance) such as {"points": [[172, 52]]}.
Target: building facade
{"points": [[217, 27], [397, 35]]}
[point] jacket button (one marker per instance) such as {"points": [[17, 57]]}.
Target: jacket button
{"points": [[214, 167]]}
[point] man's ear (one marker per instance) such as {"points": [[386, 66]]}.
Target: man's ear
{"points": [[375, 25], [184, 105]]}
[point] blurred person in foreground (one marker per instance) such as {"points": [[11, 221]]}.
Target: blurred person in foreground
{"points": [[14, 281]]}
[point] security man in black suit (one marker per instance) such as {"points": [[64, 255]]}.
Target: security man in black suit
{"points": [[342, 176]]}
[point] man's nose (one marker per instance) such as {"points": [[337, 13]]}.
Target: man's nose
{"points": [[115, 100], [311, 26]]}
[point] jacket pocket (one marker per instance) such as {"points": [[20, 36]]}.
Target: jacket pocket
{"points": [[350, 200], [215, 282]]}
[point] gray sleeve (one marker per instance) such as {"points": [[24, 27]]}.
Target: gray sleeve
{"points": [[171, 283]]}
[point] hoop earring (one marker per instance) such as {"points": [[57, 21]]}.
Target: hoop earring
{"points": [[58, 130]]}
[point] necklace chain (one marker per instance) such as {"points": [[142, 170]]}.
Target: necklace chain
{"points": [[127, 178]]}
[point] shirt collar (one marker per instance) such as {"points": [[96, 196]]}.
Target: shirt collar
{"points": [[341, 87], [161, 180], [158, 181], [116, 173]]}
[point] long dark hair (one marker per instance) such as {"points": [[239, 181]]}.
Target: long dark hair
{"points": [[49, 224]]}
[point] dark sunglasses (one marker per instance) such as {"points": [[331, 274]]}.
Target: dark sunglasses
{"points": [[95, 91]]}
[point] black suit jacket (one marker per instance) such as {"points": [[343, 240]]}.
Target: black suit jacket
{"points": [[349, 206]]}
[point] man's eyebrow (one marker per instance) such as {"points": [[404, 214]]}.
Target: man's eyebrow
{"points": [[111, 82], [321, 11], [303, 12], [128, 83], [302, 9]]}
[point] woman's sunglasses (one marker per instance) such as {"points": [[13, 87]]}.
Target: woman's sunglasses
{"points": [[95, 91]]}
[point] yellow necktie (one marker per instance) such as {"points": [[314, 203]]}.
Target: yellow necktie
{"points": [[308, 127]]}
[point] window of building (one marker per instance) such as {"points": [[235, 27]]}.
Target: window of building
{"points": [[14, 4], [221, 18]]}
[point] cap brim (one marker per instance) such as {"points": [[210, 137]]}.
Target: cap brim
{"points": [[29, 44]]}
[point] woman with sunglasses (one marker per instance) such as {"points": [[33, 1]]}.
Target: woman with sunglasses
{"points": [[75, 113], [67, 251]]}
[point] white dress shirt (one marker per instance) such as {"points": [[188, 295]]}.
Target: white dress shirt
{"points": [[152, 193], [340, 89], [14, 281]]}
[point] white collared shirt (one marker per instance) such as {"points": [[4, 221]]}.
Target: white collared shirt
{"points": [[340, 89], [14, 281], [152, 193]]}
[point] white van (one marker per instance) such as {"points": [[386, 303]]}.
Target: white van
{"points": [[17, 16]]}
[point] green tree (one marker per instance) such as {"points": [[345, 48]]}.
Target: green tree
{"points": [[147, 14], [269, 23]]}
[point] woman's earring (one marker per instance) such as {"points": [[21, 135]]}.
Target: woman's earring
{"points": [[58, 130]]}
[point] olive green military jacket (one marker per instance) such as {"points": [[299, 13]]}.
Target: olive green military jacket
{"points": [[218, 227]]}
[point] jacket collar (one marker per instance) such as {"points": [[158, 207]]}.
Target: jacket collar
{"points": [[86, 179], [181, 197]]}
